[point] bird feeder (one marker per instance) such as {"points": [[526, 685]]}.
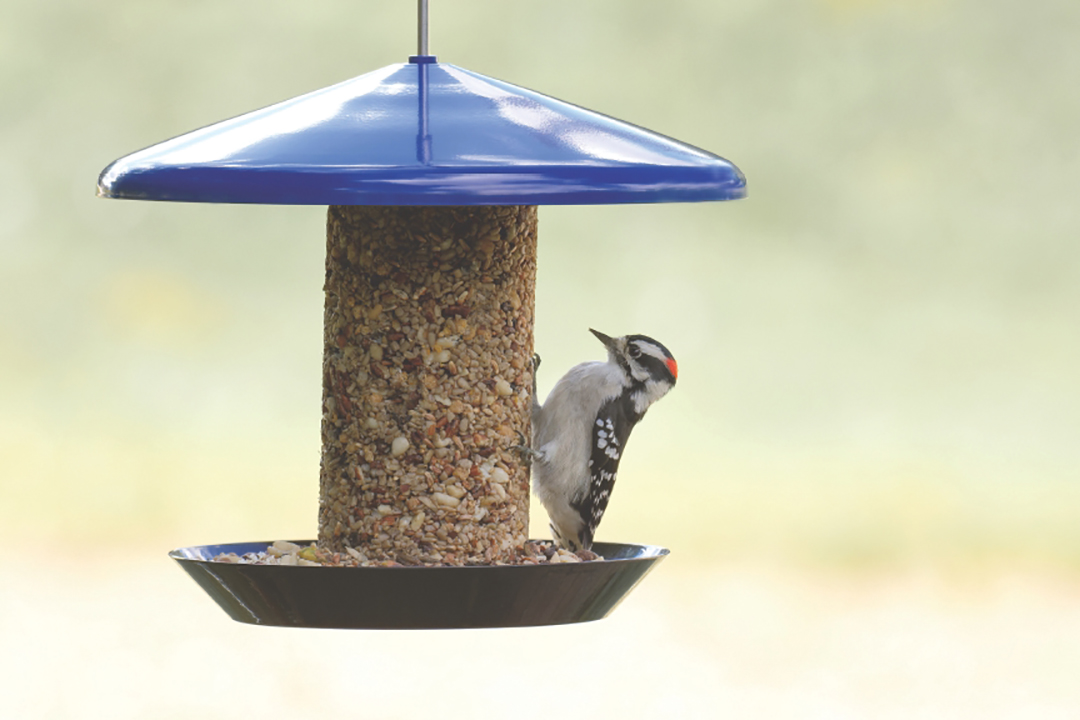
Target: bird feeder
{"points": [[432, 174]]}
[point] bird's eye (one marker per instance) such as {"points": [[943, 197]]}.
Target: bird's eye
{"points": [[633, 351]]}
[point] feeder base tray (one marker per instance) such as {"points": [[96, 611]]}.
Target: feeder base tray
{"points": [[418, 597]]}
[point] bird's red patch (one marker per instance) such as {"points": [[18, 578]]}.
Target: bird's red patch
{"points": [[673, 367]]}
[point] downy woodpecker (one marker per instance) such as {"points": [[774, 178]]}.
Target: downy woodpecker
{"points": [[580, 432]]}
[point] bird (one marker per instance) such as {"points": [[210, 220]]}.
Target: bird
{"points": [[579, 433]]}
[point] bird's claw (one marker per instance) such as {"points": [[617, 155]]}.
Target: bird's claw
{"points": [[526, 453], [536, 366]]}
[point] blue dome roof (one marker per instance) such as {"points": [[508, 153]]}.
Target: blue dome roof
{"points": [[423, 133]]}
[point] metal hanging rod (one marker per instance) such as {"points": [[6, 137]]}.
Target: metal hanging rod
{"points": [[422, 27]]}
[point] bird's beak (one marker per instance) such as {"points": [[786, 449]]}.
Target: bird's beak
{"points": [[609, 342]]}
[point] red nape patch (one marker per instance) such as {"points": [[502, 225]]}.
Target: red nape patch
{"points": [[673, 367]]}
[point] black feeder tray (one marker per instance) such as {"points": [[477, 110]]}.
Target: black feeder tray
{"points": [[421, 133], [478, 596]]}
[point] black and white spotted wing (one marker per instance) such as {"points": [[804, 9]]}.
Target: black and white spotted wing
{"points": [[609, 434]]}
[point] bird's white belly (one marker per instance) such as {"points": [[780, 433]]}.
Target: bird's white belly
{"points": [[562, 435]]}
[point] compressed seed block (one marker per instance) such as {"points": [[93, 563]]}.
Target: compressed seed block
{"points": [[427, 375]]}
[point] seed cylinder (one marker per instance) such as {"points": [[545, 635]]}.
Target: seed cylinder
{"points": [[427, 376]]}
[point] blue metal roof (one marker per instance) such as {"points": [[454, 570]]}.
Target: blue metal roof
{"points": [[423, 133]]}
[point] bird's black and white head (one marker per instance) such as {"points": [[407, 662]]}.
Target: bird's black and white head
{"points": [[650, 370]]}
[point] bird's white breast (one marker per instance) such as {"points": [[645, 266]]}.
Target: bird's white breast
{"points": [[562, 428]]}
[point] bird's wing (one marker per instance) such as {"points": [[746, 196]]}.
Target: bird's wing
{"points": [[610, 431]]}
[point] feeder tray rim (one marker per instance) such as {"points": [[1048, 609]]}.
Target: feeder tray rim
{"points": [[201, 553]]}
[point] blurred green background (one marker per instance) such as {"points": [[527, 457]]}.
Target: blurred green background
{"points": [[879, 348]]}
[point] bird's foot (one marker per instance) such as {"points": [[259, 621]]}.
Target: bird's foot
{"points": [[536, 366], [526, 453]]}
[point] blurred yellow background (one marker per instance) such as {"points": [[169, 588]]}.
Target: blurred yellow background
{"points": [[869, 473]]}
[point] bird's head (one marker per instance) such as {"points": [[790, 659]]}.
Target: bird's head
{"points": [[645, 362]]}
